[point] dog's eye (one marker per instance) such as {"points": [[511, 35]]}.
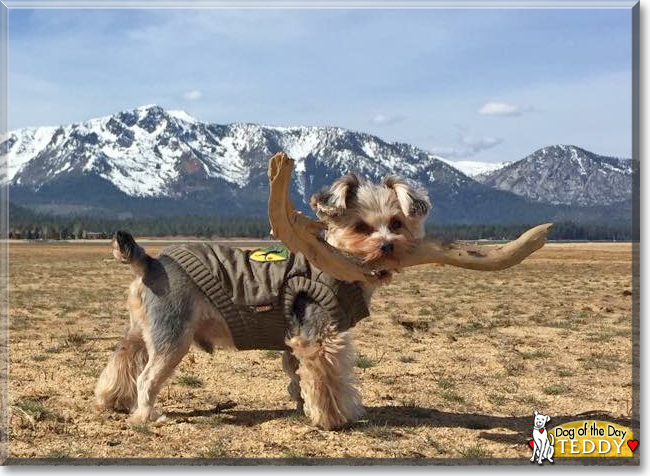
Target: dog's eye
{"points": [[395, 224], [363, 228]]}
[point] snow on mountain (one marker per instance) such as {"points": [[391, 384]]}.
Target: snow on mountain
{"points": [[472, 168], [565, 174], [23, 146], [150, 152], [149, 161]]}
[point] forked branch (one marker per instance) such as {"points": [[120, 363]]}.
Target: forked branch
{"points": [[301, 234]]}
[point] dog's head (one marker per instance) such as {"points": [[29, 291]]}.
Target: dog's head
{"points": [[540, 419], [372, 220]]}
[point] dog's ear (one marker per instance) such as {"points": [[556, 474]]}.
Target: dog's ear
{"points": [[414, 202], [535, 413], [548, 418], [333, 201]]}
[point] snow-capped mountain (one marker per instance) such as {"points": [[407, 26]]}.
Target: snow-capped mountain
{"points": [[149, 161], [23, 145], [149, 152], [565, 174]]}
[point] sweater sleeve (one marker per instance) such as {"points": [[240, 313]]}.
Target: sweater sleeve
{"points": [[313, 318]]}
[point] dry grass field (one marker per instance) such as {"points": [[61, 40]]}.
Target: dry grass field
{"points": [[451, 363]]}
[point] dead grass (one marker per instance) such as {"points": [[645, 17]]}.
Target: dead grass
{"points": [[555, 389], [271, 354], [190, 381], [142, 429], [475, 452], [364, 362], [32, 408], [536, 354], [452, 363]]}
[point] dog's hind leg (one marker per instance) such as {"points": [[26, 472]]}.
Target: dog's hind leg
{"points": [[290, 366], [168, 339], [160, 366], [327, 382]]}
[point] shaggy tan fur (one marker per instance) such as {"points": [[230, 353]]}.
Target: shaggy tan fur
{"points": [[117, 385], [133, 377], [327, 381], [360, 216]]}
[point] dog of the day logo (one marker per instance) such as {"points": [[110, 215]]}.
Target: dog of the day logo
{"points": [[542, 443], [580, 439]]}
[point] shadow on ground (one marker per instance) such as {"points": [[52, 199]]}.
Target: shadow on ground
{"points": [[411, 417]]}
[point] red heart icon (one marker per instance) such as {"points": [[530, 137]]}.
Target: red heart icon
{"points": [[530, 443], [542, 430], [632, 444]]}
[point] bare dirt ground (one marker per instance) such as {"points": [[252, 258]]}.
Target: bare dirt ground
{"points": [[452, 363]]}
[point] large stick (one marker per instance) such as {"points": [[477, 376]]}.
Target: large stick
{"points": [[479, 258], [301, 234]]}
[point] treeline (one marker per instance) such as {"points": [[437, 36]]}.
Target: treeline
{"points": [[33, 226], [24, 224], [560, 231]]}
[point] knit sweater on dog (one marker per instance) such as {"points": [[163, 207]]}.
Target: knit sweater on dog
{"points": [[256, 299]]}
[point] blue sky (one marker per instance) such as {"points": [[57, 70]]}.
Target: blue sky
{"points": [[487, 85]]}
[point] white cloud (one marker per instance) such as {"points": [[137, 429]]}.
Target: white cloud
{"points": [[193, 95], [384, 120], [503, 109], [479, 144]]}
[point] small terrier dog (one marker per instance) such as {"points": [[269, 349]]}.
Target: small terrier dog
{"points": [[168, 312]]}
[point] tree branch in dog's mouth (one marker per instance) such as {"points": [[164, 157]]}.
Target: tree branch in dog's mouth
{"points": [[301, 234]]}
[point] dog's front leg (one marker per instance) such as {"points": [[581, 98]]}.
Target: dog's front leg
{"points": [[290, 366], [542, 451], [325, 367]]}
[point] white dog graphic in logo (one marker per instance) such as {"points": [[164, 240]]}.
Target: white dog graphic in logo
{"points": [[541, 444]]}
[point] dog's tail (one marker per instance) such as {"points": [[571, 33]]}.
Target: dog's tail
{"points": [[127, 251]]}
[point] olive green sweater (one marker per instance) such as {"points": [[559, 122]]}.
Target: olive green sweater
{"points": [[257, 298]]}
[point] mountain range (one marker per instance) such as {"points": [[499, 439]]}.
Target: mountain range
{"points": [[565, 175], [153, 162]]}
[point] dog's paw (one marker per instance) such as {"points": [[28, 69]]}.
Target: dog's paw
{"points": [[142, 417], [138, 419], [98, 407]]}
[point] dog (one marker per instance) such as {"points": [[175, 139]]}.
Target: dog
{"points": [[171, 305], [542, 446]]}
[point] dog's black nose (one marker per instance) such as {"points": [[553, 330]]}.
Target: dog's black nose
{"points": [[387, 248]]}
